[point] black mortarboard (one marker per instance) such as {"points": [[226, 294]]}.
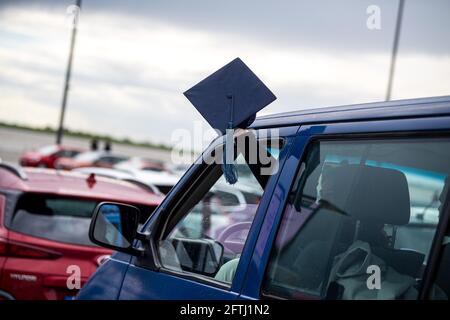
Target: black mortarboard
{"points": [[229, 97]]}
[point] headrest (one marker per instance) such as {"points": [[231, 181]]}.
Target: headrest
{"points": [[368, 194]]}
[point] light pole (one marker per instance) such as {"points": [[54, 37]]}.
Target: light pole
{"points": [[76, 13], [398, 27]]}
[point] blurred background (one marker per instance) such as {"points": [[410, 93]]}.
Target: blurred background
{"points": [[125, 112], [133, 59]]}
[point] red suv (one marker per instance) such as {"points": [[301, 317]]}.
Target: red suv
{"points": [[44, 224]]}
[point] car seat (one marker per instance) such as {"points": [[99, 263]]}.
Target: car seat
{"points": [[369, 197], [375, 197]]}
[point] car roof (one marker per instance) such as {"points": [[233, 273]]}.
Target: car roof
{"points": [[102, 153], [76, 185], [157, 178], [420, 107]]}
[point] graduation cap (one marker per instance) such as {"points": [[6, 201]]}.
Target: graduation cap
{"points": [[229, 99]]}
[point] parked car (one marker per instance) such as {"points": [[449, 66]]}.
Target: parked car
{"points": [[44, 223], [103, 159], [227, 204], [234, 198], [141, 163], [161, 181], [124, 175], [179, 169], [46, 157], [164, 181], [336, 204]]}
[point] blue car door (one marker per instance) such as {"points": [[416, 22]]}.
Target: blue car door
{"points": [[205, 231], [399, 168]]}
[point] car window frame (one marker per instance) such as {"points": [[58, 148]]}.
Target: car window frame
{"points": [[436, 251], [441, 228]]}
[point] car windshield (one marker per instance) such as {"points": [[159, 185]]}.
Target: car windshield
{"points": [[48, 150]]}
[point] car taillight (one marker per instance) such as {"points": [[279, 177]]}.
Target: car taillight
{"points": [[22, 250]]}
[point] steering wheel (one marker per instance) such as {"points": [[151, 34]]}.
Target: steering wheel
{"points": [[233, 246]]}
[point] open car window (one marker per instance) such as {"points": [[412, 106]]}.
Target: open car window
{"points": [[207, 234]]}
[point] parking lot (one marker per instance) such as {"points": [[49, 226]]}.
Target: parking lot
{"points": [[15, 142], [246, 152]]}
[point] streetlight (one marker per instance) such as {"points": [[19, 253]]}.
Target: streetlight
{"points": [[76, 12], [398, 27]]}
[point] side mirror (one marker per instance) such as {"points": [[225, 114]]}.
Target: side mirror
{"points": [[114, 226]]}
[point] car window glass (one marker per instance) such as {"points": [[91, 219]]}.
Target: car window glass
{"points": [[48, 150], [60, 219], [61, 154], [66, 154], [87, 156], [360, 221], [109, 160]]}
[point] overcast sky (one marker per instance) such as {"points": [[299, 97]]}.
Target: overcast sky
{"points": [[134, 59]]}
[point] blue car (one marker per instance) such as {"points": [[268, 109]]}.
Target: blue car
{"points": [[348, 202]]}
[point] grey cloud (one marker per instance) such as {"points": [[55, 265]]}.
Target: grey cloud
{"points": [[326, 24], [123, 98]]}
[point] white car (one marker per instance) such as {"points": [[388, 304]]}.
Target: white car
{"points": [[164, 181], [141, 163], [119, 175]]}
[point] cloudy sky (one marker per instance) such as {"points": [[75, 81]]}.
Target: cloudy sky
{"points": [[133, 59]]}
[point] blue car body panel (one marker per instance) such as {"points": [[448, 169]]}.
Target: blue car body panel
{"points": [[299, 128], [106, 282], [143, 284]]}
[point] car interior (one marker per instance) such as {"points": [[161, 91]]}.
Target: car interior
{"points": [[348, 204]]}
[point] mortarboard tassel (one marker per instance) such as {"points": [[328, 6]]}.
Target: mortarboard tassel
{"points": [[228, 167]]}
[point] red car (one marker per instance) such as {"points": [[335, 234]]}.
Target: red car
{"points": [[44, 223], [46, 157], [101, 159]]}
